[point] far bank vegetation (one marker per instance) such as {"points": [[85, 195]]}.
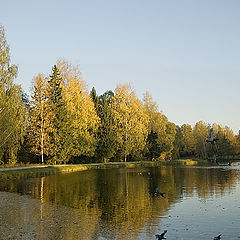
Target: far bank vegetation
{"points": [[62, 122]]}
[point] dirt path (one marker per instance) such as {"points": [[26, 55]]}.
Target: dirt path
{"points": [[21, 168]]}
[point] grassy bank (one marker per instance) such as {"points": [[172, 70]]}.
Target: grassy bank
{"points": [[54, 169]]}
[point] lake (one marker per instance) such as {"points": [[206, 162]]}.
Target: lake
{"points": [[199, 203]]}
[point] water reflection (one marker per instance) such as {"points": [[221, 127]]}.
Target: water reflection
{"points": [[121, 204]]}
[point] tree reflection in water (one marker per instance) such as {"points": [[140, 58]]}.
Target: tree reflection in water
{"points": [[121, 204]]}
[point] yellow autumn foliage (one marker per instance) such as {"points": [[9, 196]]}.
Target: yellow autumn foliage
{"points": [[130, 120]]}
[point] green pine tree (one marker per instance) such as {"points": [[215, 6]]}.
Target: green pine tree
{"points": [[106, 137], [59, 138]]}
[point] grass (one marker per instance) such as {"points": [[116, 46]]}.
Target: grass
{"points": [[54, 169], [40, 171]]}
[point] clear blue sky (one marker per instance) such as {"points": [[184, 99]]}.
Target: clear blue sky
{"points": [[186, 53]]}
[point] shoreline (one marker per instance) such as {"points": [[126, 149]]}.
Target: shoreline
{"points": [[63, 168]]}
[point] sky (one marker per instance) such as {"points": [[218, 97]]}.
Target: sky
{"points": [[186, 53]]}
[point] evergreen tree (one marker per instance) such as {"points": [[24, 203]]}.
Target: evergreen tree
{"points": [[106, 136], [154, 149], [58, 138]]}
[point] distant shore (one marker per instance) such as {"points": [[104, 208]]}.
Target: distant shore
{"points": [[63, 168]]}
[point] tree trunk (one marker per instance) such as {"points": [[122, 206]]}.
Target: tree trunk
{"points": [[42, 132]]}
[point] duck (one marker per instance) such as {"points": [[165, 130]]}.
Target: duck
{"points": [[158, 193], [161, 236], [218, 237]]}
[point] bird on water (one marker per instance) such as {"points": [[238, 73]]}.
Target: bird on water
{"points": [[158, 193], [161, 236], [218, 237]]}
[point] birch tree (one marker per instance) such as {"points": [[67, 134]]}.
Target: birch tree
{"points": [[188, 140], [82, 119], [130, 121], [40, 124], [161, 132], [12, 109]]}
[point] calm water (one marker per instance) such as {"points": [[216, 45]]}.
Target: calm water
{"points": [[200, 203]]}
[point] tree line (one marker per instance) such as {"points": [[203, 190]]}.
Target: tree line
{"points": [[64, 122]]}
